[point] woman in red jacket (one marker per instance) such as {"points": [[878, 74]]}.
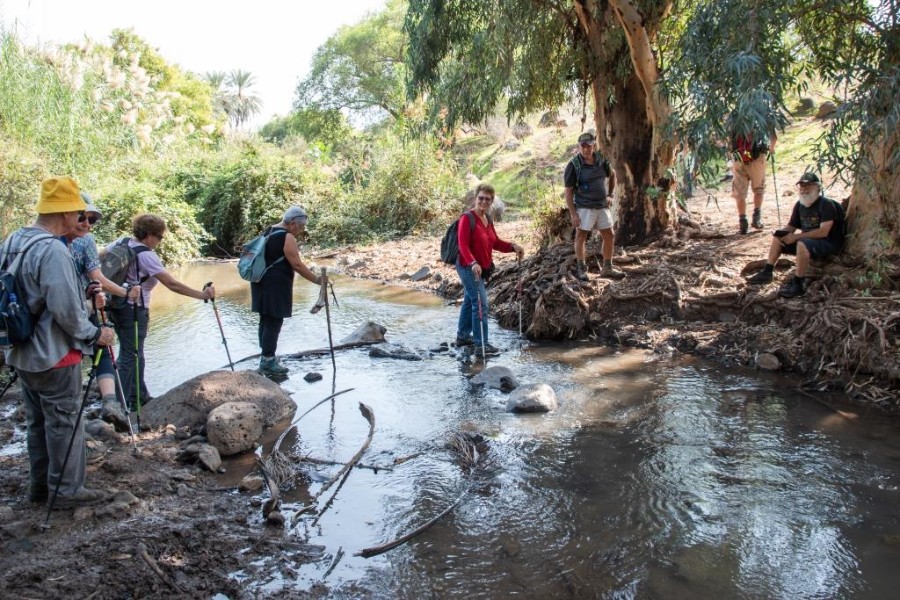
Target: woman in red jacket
{"points": [[477, 240]]}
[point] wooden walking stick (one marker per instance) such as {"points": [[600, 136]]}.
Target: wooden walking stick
{"points": [[323, 298]]}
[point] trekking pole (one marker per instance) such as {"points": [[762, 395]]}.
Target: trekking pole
{"points": [[481, 324], [221, 330], [775, 185], [12, 380], [328, 320], [62, 471], [120, 391], [519, 294], [137, 362]]}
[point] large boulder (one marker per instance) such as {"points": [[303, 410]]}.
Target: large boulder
{"points": [[367, 332], [499, 378], [189, 404], [533, 397], [234, 427]]}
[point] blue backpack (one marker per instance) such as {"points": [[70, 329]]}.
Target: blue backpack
{"points": [[252, 263], [16, 320]]}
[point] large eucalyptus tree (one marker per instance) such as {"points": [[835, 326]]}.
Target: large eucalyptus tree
{"points": [[468, 54]]}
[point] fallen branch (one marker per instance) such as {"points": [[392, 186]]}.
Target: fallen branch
{"points": [[376, 550], [337, 558], [320, 461], [370, 417], [323, 351], [145, 556]]}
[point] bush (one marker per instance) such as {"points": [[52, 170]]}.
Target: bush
{"points": [[21, 173]]}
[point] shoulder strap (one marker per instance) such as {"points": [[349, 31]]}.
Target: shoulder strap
{"points": [[20, 255]]}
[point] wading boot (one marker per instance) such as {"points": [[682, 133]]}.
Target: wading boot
{"points": [[744, 225], [462, 342], [112, 413], [269, 365], [763, 276], [581, 271], [84, 497]]}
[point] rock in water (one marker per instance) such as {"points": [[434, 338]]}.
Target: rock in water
{"points": [[768, 362], [394, 351], [499, 378], [367, 332], [234, 427], [533, 397]]}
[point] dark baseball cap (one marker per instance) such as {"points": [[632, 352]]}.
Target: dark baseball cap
{"points": [[586, 138], [809, 178]]}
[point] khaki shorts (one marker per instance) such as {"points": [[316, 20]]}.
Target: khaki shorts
{"points": [[752, 174], [595, 218]]}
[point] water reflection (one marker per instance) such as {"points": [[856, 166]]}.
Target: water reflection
{"points": [[653, 479]]}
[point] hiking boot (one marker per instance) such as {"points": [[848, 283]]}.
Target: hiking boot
{"points": [[488, 349], [610, 272], [84, 497], [112, 413], [757, 219], [764, 276], [793, 288], [38, 494], [745, 227], [580, 271], [271, 366], [463, 342]]}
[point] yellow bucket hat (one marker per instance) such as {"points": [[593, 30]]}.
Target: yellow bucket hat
{"points": [[60, 194]]}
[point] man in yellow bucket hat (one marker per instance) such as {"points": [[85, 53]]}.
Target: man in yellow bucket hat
{"points": [[49, 361]]}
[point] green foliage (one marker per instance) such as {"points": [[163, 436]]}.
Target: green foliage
{"points": [[361, 68], [409, 187], [239, 193], [122, 200], [326, 127], [20, 174]]}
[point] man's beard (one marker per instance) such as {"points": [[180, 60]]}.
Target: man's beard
{"points": [[808, 198]]}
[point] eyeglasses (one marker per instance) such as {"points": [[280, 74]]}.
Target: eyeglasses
{"points": [[81, 216], [586, 144], [91, 220], [485, 198]]}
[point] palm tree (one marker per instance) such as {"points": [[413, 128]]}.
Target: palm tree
{"points": [[240, 104], [216, 79]]}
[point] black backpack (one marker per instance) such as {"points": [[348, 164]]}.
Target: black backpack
{"points": [[16, 320], [840, 218], [116, 266], [450, 241]]}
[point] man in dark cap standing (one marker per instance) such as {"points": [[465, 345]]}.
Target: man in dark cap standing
{"points": [[589, 181], [821, 224]]}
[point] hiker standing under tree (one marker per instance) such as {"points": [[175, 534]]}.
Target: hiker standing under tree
{"points": [[49, 362], [750, 153], [474, 266], [590, 181], [272, 296], [146, 270]]}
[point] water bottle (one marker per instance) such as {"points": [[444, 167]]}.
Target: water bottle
{"points": [[4, 335]]}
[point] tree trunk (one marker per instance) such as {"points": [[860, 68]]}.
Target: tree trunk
{"points": [[874, 212], [628, 121]]}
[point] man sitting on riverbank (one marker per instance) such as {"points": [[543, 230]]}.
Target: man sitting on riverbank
{"points": [[821, 224]]}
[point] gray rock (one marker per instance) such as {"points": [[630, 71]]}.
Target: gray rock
{"points": [[533, 397], [394, 351], [768, 362], [548, 119], [234, 427], [312, 377], [209, 457], [421, 274], [512, 144], [522, 130], [251, 483], [367, 332], [499, 378], [15, 530], [190, 403]]}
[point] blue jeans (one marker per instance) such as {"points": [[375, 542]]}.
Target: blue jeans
{"points": [[469, 321]]}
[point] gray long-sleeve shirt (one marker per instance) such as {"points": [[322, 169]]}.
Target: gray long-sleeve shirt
{"points": [[48, 280]]}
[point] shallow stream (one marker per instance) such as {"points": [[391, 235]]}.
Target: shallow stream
{"points": [[657, 477]]}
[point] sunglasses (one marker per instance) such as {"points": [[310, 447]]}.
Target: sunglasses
{"points": [[82, 217], [485, 198]]}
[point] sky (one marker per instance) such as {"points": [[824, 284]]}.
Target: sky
{"points": [[273, 39]]}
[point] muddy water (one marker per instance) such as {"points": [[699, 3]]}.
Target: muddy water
{"points": [[655, 478]]}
